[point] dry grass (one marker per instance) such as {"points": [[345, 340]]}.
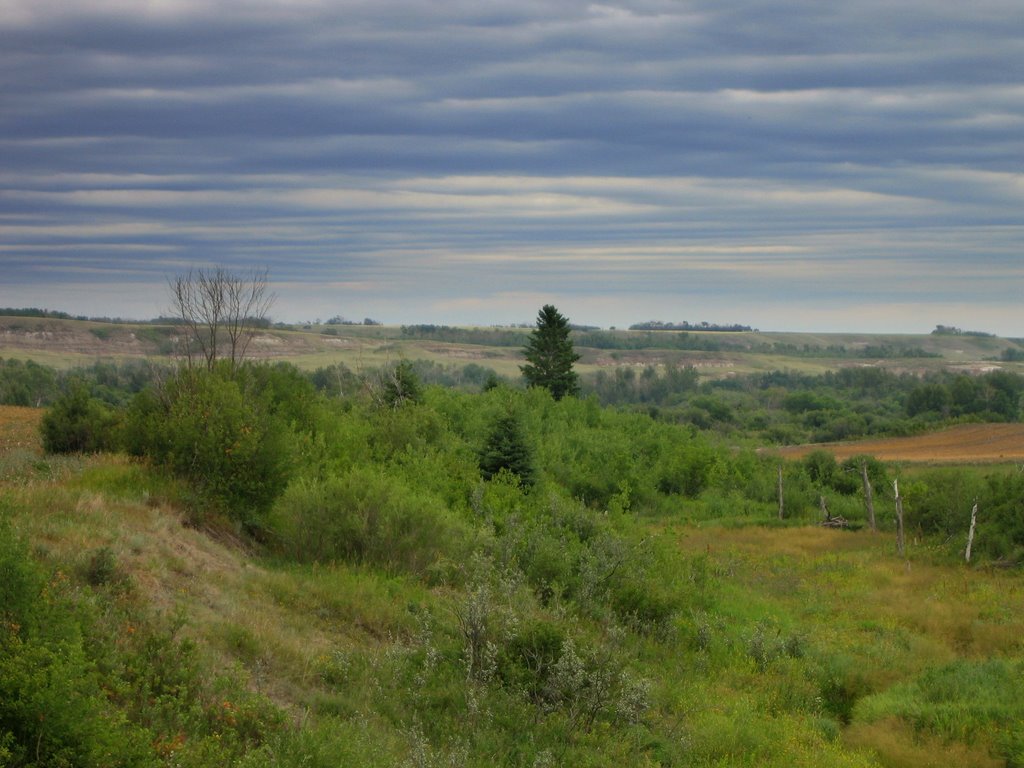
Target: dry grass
{"points": [[959, 612], [277, 622], [897, 745], [964, 444], [850, 596], [19, 429]]}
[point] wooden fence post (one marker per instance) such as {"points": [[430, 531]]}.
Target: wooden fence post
{"points": [[970, 536], [868, 500], [899, 517], [781, 503]]}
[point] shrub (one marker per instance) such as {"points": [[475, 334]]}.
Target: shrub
{"points": [[227, 442], [102, 568], [53, 711], [529, 658], [76, 423], [364, 516], [644, 606]]}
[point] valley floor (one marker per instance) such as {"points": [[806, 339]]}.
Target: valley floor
{"points": [[799, 646]]}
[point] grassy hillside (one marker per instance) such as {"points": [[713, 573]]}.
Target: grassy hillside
{"points": [[670, 621], [66, 343]]}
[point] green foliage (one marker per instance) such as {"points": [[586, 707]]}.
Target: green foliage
{"points": [[965, 700], [939, 502], [226, 439], [505, 449], [329, 742], [283, 391], [416, 615], [27, 383], [929, 398], [647, 607], [76, 423], [401, 386], [102, 568], [335, 380], [528, 659], [686, 471], [825, 473], [789, 407], [52, 709], [550, 356], [365, 516]]}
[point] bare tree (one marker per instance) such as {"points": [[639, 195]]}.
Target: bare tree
{"points": [[248, 305], [221, 312]]}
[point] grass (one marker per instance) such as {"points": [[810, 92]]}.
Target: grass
{"points": [[19, 429], [64, 347], [793, 646], [891, 633]]}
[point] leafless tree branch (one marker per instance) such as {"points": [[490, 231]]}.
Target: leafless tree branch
{"points": [[216, 303]]}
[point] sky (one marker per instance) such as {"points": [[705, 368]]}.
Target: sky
{"points": [[789, 165]]}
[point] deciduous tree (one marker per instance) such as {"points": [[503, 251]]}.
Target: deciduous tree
{"points": [[221, 312]]}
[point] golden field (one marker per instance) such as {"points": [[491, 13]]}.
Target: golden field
{"points": [[963, 444]]}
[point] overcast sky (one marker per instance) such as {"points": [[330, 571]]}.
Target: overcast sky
{"points": [[790, 165]]}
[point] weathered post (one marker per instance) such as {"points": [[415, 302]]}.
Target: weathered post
{"points": [[781, 503], [868, 501], [899, 517], [970, 536]]}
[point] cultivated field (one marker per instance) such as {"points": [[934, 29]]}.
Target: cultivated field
{"points": [[964, 444]]}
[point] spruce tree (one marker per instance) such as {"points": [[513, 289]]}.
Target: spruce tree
{"points": [[506, 449], [550, 355], [401, 386]]}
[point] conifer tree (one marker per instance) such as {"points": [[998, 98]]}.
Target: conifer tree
{"points": [[401, 385], [549, 355], [506, 448]]}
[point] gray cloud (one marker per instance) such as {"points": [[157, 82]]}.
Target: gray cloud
{"points": [[457, 161]]}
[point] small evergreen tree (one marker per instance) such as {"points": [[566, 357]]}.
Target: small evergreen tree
{"points": [[550, 355], [506, 448], [401, 386]]}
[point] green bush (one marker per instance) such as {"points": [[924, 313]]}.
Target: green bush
{"points": [[27, 383], [76, 423], [644, 606], [226, 441], [529, 658], [53, 711], [365, 516], [102, 568]]}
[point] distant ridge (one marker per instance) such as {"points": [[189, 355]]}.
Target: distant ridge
{"points": [[658, 325]]}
